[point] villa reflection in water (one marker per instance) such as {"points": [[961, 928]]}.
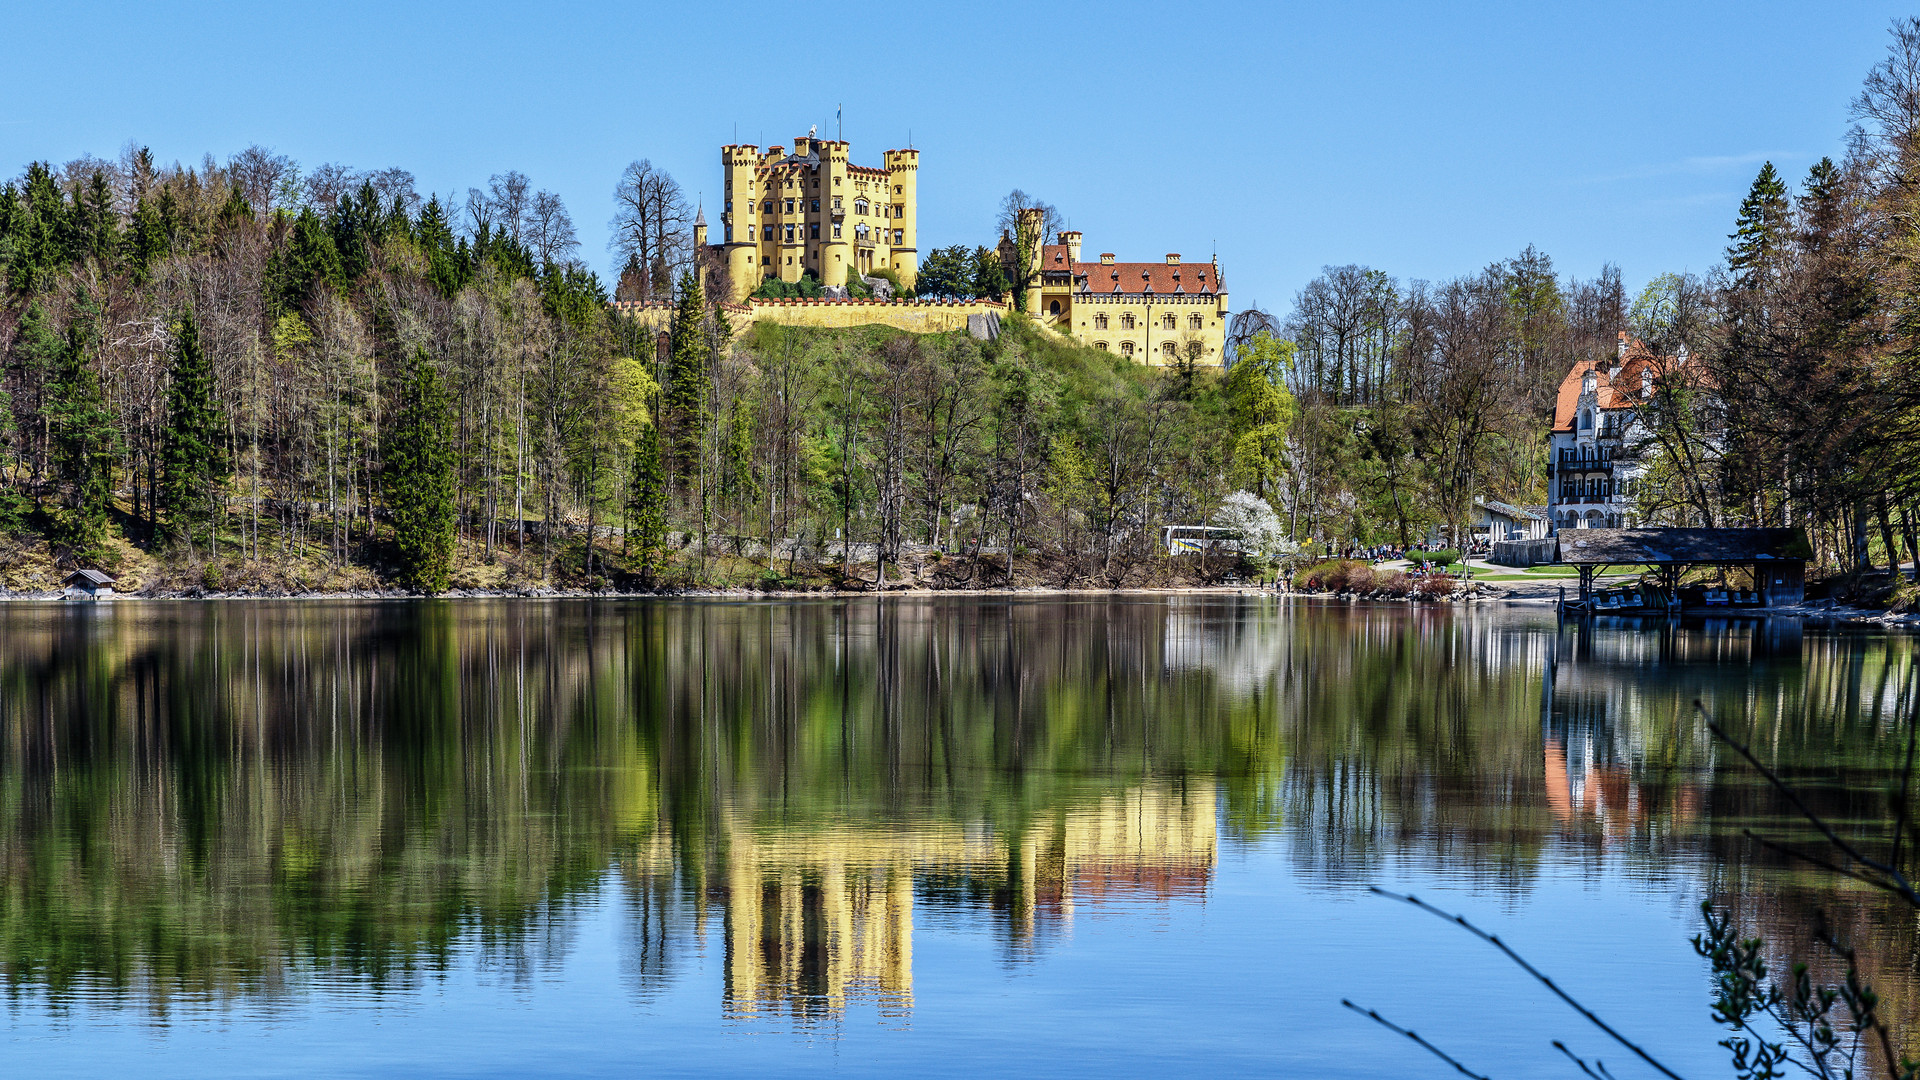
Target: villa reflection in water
{"points": [[221, 802]]}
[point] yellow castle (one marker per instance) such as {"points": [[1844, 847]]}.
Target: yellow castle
{"points": [[815, 212], [1152, 312]]}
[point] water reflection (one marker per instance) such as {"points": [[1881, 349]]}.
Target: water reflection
{"points": [[210, 803]]}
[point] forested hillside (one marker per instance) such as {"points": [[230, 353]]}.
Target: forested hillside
{"points": [[236, 377]]}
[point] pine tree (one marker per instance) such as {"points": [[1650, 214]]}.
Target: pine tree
{"points": [[647, 502], [83, 436], [1761, 228], [687, 383], [192, 460], [419, 481]]}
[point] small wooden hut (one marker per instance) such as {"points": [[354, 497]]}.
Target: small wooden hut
{"points": [[1775, 558], [89, 585]]}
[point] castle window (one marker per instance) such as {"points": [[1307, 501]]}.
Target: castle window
{"points": [[1126, 348], [1053, 308], [897, 234], [728, 234], [1126, 322], [766, 260], [1166, 350], [813, 232], [767, 209], [1100, 321], [1101, 345], [836, 232], [1193, 350], [729, 205], [1193, 322], [816, 206], [789, 235], [769, 231], [860, 207], [789, 206], [1168, 321]]}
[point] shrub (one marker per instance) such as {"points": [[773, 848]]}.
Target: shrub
{"points": [[1434, 587], [1392, 583], [1333, 575], [1439, 557]]}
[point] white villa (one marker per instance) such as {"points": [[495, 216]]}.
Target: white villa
{"points": [[1593, 470]]}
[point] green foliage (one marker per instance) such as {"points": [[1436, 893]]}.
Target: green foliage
{"points": [[419, 481], [772, 288], [1760, 231], [84, 435], [193, 460], [1826, 1025], [1438, 557], [1260, 409], [647, 504]]}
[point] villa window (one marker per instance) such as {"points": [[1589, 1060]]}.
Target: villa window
{"points": [[1126, 348], [1100, 321]]}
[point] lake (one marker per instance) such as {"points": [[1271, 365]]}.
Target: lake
{"points": [[1112, 836]]}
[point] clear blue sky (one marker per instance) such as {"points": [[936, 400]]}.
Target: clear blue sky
{"points": [[1424, 139]]}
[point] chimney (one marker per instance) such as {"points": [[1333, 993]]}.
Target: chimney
{"points": [[1173, 258], [1623, 345], [1106, 258]]}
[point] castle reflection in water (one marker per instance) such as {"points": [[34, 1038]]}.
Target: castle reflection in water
{"points": [[817, 918]]}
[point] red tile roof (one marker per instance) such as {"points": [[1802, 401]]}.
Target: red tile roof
{"points": [[1612, 389], [1131, 277]]}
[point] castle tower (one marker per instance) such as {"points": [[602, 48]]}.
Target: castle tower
{"points": [[835, 257], [737, 219], [1032, 227], [1071, 240], [903, 174]]}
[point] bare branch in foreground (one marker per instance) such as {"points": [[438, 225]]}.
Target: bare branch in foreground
{"points": [[1422, 1043], [1494, 940]]}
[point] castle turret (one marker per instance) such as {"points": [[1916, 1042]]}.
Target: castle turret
{"points": [[835, 255], [1032, 235], [1071, 239], [737, 218], [903, 175]]}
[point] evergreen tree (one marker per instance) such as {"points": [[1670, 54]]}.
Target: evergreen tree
{"points": [[739, 486], [420, 480], [84, 436], [989, 277], [146, 239], [647, 502], [1761, 227], [305, 262], [687, 382], [193, 461]]}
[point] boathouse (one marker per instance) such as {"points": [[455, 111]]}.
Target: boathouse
{"points": [[89, 585], [1774, 562]]}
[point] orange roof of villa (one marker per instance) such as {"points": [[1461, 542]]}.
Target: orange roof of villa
{"points": [[1612, 389]]}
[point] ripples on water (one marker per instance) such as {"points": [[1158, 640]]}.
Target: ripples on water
{"points": [[936, 836]]}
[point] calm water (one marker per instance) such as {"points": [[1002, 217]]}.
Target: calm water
{"points": [[956, 837]]}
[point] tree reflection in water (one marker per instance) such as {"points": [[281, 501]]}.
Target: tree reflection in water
{"points": [[251, 801]]}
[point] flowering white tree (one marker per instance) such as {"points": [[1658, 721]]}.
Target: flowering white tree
{"points": [[1261, 532]]}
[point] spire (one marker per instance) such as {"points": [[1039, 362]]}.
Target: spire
{"points": [[700, 216]]}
